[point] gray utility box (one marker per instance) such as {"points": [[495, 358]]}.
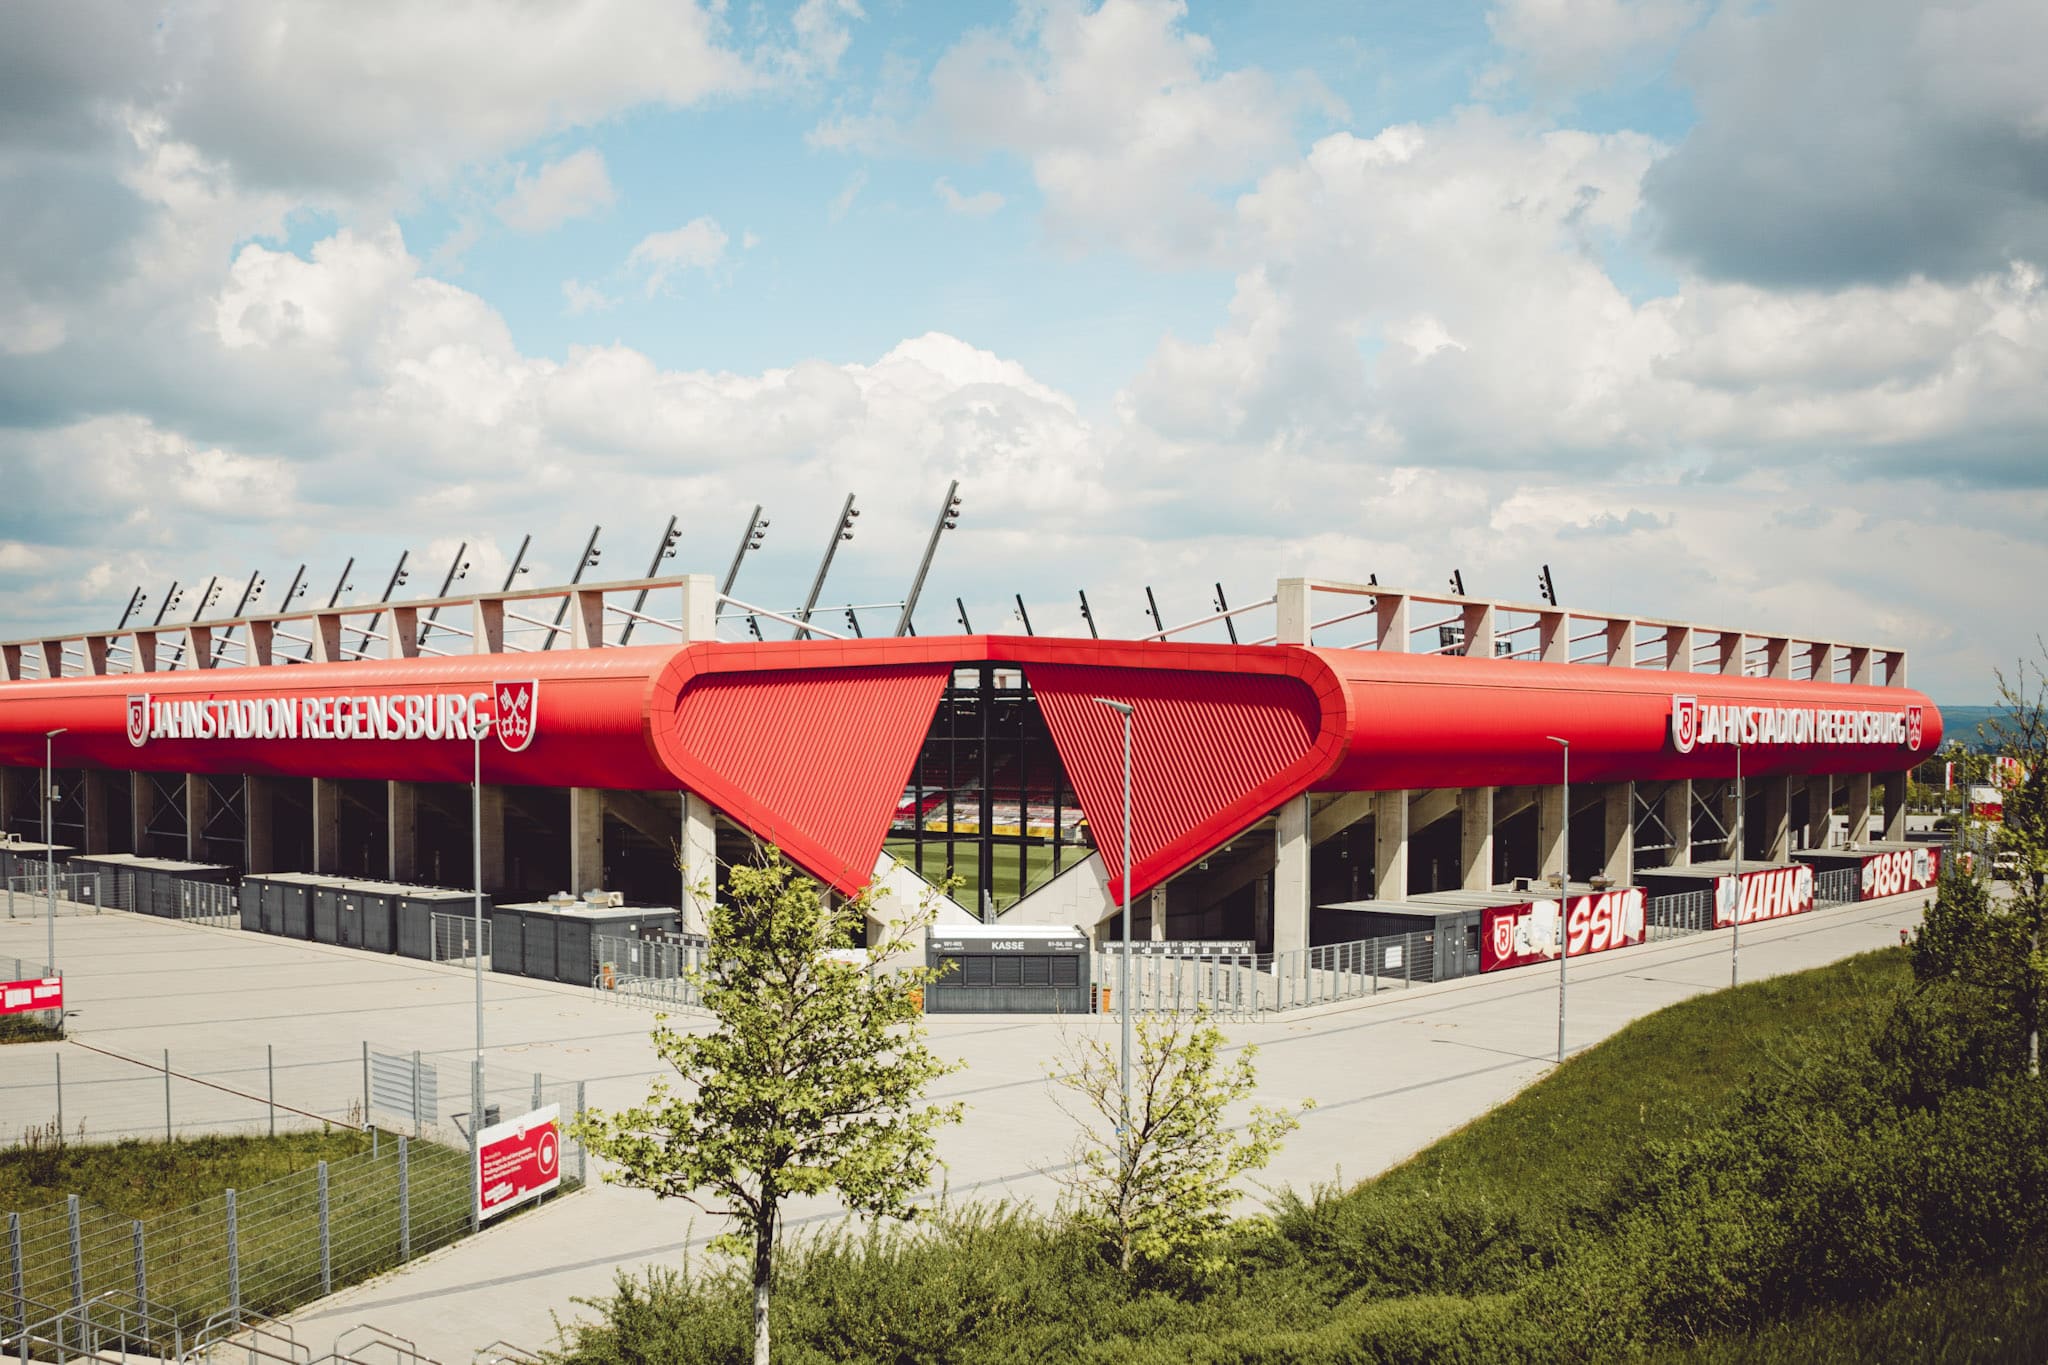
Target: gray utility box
{"points": [[281, 903], [155, 881], [32, 860], [551, 941], [1008, 969], [417, 906]]}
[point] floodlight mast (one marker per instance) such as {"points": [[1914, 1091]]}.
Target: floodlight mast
{"points": [[250, 590], [841, 530], [948, 519], [170, 600], [135, 599], [399, 574], [756, 532], [591, 554], [458, 568], [1223, 609], [518, 562], [666, 550]]}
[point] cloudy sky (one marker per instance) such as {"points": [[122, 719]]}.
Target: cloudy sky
{"points": [[1727, 311]]}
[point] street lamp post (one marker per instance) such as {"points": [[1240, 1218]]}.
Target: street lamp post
{"points": [[1564, 891], [1123, 969], [1735, 914], [480, 727], [49, 841]]}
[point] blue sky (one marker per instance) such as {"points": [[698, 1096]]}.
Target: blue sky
{"points": [[1731, 312]]}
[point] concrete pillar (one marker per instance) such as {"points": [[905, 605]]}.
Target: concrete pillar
{"points": [[1157, 916], [1678, 819], [1618, 810], [586, 839], [402, 817], [1859, 808], [1820, 809], [699, 863], [1776, 834], [1549, 833], [141, 805], [1895, 805], [1678, 647], [1290, 876], [1727, 802], [1291, 611], [259, 806], [491, 800], [1390, 613], [1262, 911], [1553, 638], [1390, 846], [197, 806], [1621, 644], [1730, 645], [93, 788], [1479, 626], [1475, 838], [326, 825]]}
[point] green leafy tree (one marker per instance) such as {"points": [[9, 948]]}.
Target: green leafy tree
{"points": [[809, 1084], [1160, 1191], [1973, 935]]}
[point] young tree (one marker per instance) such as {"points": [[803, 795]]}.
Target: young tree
{"points": [[1159, 1191], [809, 1084]]}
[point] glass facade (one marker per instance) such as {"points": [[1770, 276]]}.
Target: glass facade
{"points": [[988, 801]]}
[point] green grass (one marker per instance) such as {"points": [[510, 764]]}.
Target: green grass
{"points": [[139, 1179], [26, 1028], [1004, 860]]}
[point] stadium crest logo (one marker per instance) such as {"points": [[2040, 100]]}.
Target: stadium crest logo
{"points": [[518, 713]]}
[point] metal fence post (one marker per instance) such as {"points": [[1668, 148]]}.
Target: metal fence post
{"points": [[404, 1200], [270, 1070], [476, 1115], [16, 1277], [326, 1238], [77, 1252], [536, 1090], [582, 1153], [234, 1262], [141, 1277], [167, 1094], [59, 1058]]}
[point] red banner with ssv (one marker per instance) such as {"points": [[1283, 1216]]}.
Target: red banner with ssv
{"points": [[518, 1160]]}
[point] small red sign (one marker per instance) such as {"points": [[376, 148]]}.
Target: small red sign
{"points": [[1516, 935], [518, 1161], [36, 993], [1767, 893]]}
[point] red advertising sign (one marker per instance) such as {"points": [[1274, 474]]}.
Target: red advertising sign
{"points": [[1767, 893], [36, 993], [518, 1161], [1517, 935], [1900, 871]]}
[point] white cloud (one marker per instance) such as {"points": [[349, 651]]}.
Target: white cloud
{"points": [[578, 297], [659, 257], [821, 32], [576, 186], [1561, 46], [978, 205], [1128, 130], [842, 202]]}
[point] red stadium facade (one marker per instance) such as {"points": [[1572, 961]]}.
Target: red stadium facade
{"points": [[1259, 770]]}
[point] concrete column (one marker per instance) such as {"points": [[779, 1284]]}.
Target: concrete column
{"points": [[1291, 611], [402, 817], [1678, 647], [1678, 819], [1820, 809], [1290, 876], [1157, 917], [1727, 800], [1621, 644], [492, 802], [197, 805], [326, 825], [1390, 846], [1549, 832], [1859, 808], [1553, 638], [1859, 666], [586, 839], [1777, 657], [1730, 645], [1618, 810], [1390, 612], [1777, 819], [93, 787], [259, 803], [141, 805], [1895, 805], [1262, 911], [699, 863], [1475, 838], [1479, 625]]}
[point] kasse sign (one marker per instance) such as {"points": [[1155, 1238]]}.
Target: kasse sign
{"points": [[1694, 724], [514, 706]]}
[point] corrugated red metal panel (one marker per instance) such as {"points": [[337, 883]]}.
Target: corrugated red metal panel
{"points": [[812, 760], [1424, 720], [1210, 753]]}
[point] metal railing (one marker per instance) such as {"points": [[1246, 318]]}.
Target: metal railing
{"points": [[1241, 985], [455, 939], [214, 903], [649, 972], [1688, 912], [27, 896], [1842, 886]]}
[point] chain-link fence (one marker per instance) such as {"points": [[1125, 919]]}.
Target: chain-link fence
{"points": [[84, 1276], [650, 972], [27, 896]]}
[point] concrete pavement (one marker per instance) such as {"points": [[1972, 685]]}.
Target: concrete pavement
{"points": [[1390, 1075]]}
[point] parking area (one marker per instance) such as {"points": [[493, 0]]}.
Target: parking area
{"points": [[1389, 1075]]}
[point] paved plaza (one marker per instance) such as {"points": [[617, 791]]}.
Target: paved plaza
{"points": [[1389, 1075]]}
